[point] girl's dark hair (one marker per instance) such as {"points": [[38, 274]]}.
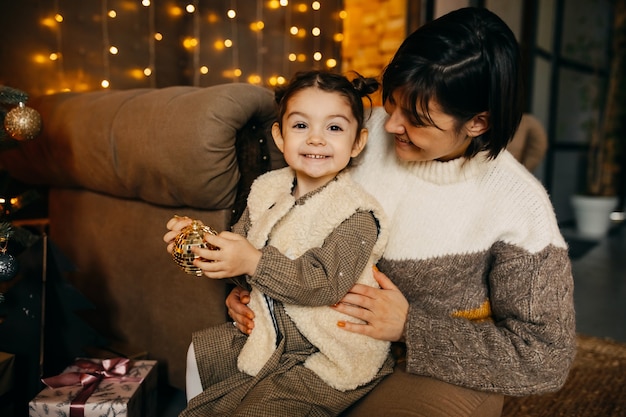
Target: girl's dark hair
{"points": [[353, 90], [468, 61]]}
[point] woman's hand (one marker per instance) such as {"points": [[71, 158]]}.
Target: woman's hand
{"points": [[237, 304], [235, 256], [384, 310], [174, 225]]}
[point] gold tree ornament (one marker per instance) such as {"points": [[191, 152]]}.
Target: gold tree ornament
{"points": [[8, 263], [188, 238], [22, 122]]}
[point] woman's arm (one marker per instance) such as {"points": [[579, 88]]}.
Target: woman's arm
{"points": [[384, 310]]}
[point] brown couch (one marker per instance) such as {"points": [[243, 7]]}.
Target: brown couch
{"points": [[118, 165]]}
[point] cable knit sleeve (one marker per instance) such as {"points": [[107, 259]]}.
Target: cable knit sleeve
{"points": [[520, 342]]}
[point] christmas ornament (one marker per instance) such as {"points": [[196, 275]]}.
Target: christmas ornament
{"points": [[22, 122], [189, 237], [8, 267], [8, 264]]}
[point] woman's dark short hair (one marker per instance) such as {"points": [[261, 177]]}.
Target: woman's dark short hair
{"points": [[468, 61]]}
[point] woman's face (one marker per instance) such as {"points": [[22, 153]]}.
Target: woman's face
{"points": [[417, 143]]}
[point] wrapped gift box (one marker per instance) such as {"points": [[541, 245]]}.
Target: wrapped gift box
{"points": [[126, 389]]}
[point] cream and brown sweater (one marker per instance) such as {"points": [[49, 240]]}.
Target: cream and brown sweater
{"points": [[475, 248], [344, 360]]}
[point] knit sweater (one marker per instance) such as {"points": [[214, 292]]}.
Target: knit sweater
{"points": [[475, 248], [344, 360]]}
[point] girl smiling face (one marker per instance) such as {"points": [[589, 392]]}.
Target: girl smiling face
{"points": [[318, 138]]}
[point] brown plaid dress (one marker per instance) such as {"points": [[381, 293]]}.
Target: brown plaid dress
{"points": [[283, 387]]}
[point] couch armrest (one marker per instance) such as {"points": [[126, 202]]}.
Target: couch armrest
{"points": [[174, 146]]}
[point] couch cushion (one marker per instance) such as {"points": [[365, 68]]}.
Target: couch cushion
{"points": [[173, 146]]}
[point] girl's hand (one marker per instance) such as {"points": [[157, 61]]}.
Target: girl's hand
{"points": [[236, 256], [384, 310], [174, 225], [237, 304]]}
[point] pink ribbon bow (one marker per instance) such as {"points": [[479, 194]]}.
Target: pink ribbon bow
{"points": [[89, 377]]}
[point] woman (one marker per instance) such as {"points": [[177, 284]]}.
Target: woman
{"points": [[475, 281]]}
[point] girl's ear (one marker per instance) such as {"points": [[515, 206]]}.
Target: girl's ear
{"points": [[359, 143], [478, 125], [278, 137]]}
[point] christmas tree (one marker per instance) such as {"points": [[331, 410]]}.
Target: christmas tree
{"points": [[38, 321], [20, 123]]}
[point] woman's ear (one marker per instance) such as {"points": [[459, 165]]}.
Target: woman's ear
{"points": [[478, 124], [359, 143], [278, 137]]}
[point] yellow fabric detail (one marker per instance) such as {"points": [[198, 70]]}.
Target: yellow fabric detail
{"points": [[481, 313]]}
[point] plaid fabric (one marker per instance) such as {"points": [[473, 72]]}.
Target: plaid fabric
{"points": [[284, 387]]}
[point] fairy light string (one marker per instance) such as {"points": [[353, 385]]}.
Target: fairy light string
{"points": [[106, 65], [311, 37]]}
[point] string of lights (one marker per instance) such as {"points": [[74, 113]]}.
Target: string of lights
{"points": [[252, 48]]}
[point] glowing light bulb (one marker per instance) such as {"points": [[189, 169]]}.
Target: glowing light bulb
{"points": [[284, 2], [273, 4], [228, 43], [316, 31], [317, 56], [338, 37], [147, 72], [54, 56], [190, 43], [204, 70], [145, 3], [293, 57], [158, 36], [316, 5], [49, 22], [257, 26], [58, 17], [39, 59], [254, 79], [343, 14], [237, 72], [113, 50], [175, 11], [293, 30], [190, 8], [105, 84], [331, 63], [231, 14], [112, 14]]}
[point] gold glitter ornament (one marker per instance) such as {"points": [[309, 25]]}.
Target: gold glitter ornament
{"points": [[22, 123], [189, 237]]}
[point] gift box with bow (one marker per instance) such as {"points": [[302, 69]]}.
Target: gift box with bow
{"points": [[94, 388]]}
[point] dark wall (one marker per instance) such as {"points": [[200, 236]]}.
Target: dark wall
{"points": [[30, 34]]}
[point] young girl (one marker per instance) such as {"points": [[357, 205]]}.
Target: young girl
{"points": [[327, 233]]}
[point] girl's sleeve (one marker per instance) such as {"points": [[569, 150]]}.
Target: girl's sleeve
{"points": [[322, 275]]}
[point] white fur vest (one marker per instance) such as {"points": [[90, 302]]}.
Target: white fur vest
{"points": [[345, 360]]}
